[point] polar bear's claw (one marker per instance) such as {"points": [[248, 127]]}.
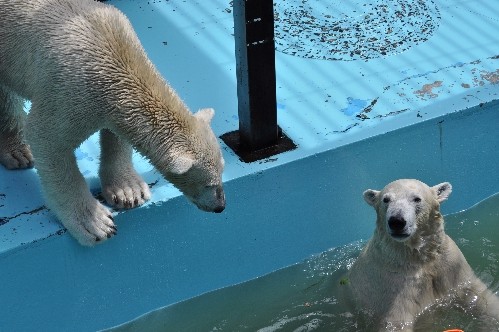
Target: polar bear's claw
{"points": [[93, 225]]}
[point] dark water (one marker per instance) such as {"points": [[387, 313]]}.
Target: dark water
{"points": [[309, 296]]}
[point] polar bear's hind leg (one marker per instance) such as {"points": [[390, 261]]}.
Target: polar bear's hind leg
{"points": [[122, 187], [14, 152]]}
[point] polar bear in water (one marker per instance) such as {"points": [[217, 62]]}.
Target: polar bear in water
{"points": [[84, 70], [410, 262]]}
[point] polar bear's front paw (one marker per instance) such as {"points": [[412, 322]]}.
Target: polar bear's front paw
{"points": [[126, 192], [91, 224], [16, 156]]}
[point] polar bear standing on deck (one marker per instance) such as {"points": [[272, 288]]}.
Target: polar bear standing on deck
{"points": [[84, 70], [410, 262]]}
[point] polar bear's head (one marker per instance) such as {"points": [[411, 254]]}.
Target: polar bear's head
{"points": [[408, 208], [195, 167]]}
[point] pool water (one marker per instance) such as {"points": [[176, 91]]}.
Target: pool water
{"points": [[311, 295]]}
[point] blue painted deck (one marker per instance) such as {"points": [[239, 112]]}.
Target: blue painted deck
{"points": [[439, 85]]}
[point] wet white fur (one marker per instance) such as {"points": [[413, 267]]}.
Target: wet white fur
{"points": [[84, 69], [396, 279]]}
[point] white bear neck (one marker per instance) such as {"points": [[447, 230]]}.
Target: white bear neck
{"points": [[418, 250], [156, 125], [142, 107]]}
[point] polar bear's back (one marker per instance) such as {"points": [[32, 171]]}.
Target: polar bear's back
{"points": [[42, 41]]}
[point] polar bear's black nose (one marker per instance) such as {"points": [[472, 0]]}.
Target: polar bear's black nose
{"points": [[396, 224], [219, 209], [221, 200]]}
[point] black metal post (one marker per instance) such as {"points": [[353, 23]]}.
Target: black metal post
{"points": [[258, 136], [256, 80]]}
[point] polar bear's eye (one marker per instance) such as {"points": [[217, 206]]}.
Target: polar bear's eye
{"points": [[386, 199], [416, 199]]}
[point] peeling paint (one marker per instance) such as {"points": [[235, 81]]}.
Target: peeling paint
{"points": [[347, 128], [362, 115], [463, 72], [392, 113], [354, 106], [4, 220], [491, 77], [356, 30], [483, 77], [427, 90]]}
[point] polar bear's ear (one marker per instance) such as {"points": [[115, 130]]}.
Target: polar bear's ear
{"points": [[442, 190], [370, 196], [205, 114], [181, 164]]}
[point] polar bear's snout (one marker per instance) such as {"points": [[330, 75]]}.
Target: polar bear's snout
{"points": [[220, 199], [397, 226], [401, 219], [211, 199]]}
